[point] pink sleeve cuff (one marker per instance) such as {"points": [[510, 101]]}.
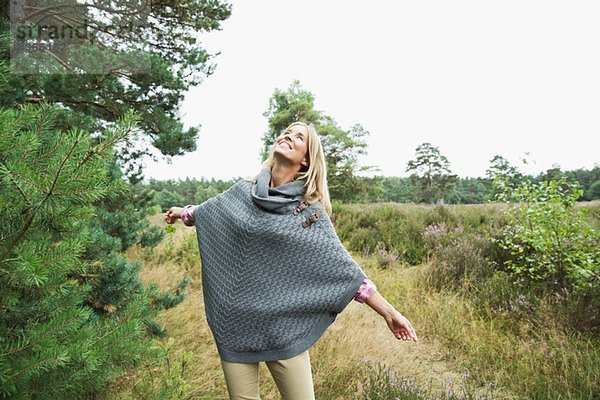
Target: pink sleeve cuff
{"points": [[187, 215], [365, 291]]}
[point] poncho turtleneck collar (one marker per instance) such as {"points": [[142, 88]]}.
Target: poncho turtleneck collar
{"points": [[280, 196]]}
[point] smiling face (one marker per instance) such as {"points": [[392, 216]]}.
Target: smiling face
{"points": [[292, 145]]}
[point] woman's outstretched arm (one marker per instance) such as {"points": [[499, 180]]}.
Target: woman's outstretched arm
{"points": [[398, 323]]}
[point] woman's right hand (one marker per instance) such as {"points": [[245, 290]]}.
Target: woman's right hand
{"points": [[173, 214]]}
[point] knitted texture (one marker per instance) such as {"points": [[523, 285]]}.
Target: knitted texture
{"points": [[271, 286]]}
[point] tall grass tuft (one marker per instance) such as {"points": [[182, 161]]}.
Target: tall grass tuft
{"points": [[382, 383]]}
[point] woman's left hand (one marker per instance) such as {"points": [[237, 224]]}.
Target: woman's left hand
{"points": [[400, 326]]}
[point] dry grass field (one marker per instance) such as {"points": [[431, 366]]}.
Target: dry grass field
{"points": [[460, 355]]}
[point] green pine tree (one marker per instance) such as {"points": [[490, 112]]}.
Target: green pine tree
{"points": [[52, 345], [431, 174]]}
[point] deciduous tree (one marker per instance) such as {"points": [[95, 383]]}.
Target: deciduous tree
{"points": [[341, 147]]}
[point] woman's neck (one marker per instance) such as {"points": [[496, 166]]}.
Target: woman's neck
{"points": [[281, 174]]}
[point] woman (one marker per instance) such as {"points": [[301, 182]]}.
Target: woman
{"points": [[274, 272]]}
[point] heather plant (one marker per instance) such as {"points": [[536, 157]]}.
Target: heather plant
{"points": [[382, 383], [398, 230], [458, 259], [385, 258], [499, 296], [393, 228]]}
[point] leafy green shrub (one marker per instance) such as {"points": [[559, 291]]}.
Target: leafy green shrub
{"points": [[548, 238]]}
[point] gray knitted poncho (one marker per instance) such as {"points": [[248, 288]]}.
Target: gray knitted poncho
{"points": [[274, 272]]}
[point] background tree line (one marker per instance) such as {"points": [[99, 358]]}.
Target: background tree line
{"points": [[382, 189], [431, 180]]}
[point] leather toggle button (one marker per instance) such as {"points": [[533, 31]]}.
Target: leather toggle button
{"points": [[301, 207], [311, 219]]}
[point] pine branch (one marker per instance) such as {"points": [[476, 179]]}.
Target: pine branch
{"points": [[32, 211], [46, 116], [78, 315], [19, 236], [52, 9], [61, 61], [17, 186], [78, 139], [37, 365], [97, 105], [121, 338], [20, 178], [129, 120]]}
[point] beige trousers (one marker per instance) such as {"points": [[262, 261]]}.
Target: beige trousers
{"points": [[292, 376]]}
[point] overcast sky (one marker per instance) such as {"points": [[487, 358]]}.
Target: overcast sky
{"points": [[478, 78]]}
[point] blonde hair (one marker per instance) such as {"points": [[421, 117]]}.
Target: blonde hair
{"points": [[316, 173]]}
